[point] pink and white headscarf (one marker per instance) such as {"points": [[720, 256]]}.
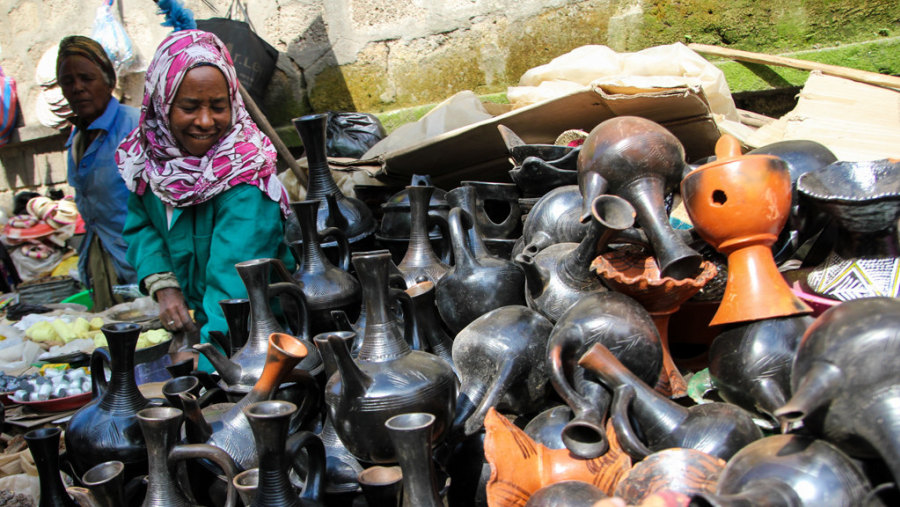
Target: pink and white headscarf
{"points": [[150, 155]]}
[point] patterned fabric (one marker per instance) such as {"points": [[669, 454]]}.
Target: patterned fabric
{"points": [[90, 49], [150, 155]]}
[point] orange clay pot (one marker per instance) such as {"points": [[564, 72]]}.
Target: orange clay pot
{"points": [[739, 204], [636, 274], [520, 466]]}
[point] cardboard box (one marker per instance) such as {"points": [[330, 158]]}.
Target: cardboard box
{"points": [[477, 152]]}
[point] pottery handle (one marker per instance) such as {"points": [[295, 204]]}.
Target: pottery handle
{"points": [[405, 301], [293, 291], [314, 483], [628, 439], [446, 246], [212, 453], [728, 146], [100, 359], [343, 245]]}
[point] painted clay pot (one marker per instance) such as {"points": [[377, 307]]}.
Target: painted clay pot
{"points": [[750, 363], [421, 263], [624, 327], [863, 199], [634, 273], [501, 359], [478, 282], [326, 287], [789, 470], [739, 204], [719, 429], [640, 161], [347, 213], [844, 386], [687, 471], [520, 467], [559, 275], [107, 428]]}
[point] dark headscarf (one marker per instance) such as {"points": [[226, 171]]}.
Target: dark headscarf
{"points": [[90, 49]]}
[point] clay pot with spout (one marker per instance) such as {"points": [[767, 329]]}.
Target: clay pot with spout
{"points": [[426, 332], [243, 369], [633, 272], [341, 467], [395, 226], [719, 429], [231, 431], [107, 428], [161, 429], [640, 161], [845, 388], [739, 204], [421, 263], [501, 359], [555, 218], [478, 282], [622, 325], [325, 286], [335, 209], [387, 378], [520, 467], [750, 363], [559, 275], [270, 420], [789, 470]]}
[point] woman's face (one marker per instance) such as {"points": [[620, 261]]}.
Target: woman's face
{"points": [[84, 87], [201, 111]]}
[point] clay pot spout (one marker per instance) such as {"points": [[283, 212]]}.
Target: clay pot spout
{"points": [[819, 386]]}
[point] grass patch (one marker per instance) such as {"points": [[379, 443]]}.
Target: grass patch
{"points": [[876, 56]]}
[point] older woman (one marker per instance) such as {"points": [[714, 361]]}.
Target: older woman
{"points": [[87, 79], [204, 191]]}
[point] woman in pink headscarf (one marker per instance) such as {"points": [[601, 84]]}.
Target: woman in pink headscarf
{"points": [[204, 195]]}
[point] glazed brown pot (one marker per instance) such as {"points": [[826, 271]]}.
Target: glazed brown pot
{"points": [[739, 204]]}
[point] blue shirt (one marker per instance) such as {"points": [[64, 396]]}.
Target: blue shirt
{"points": [[100, 192]]}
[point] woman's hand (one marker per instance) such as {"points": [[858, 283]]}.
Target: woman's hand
{"points": [[173, 311]]}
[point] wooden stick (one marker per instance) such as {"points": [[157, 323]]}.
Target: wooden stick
{"points": [[863, 76], [282, 149]]}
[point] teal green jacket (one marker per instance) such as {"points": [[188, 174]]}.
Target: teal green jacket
{"points": [[203, 245]]}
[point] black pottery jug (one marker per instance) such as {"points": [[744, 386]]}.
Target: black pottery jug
{"points": [[44, 446], [107, 428]]}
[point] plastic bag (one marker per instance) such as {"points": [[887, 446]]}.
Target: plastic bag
{"points": [[111, 35], [352, 134]]}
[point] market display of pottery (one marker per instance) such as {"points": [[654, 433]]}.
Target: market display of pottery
{"points": [[462, 356]]}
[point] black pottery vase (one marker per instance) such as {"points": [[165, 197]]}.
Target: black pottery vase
{"points": [[107, 428], [411, 435], [44, 446]]}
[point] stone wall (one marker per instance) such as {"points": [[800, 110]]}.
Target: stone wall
{"points": [[377, 55]]}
